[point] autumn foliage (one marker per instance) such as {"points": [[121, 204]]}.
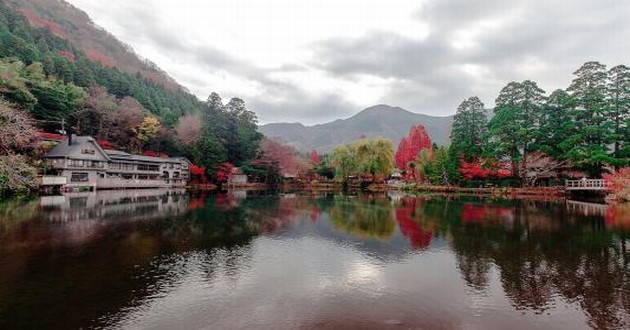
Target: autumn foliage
{"points": [[411, 145], [285, 156], [482, 169], [198, 174], [315, 159], [618, 183], [224, 172]]}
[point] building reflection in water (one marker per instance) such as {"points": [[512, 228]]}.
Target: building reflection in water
{"points": [[115, 204]]}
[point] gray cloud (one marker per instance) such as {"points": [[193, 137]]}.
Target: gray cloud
{"points": [[540, 40]]}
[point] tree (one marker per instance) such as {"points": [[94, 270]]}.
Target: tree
{"points": [[314, 157], [440, 168], [375, 157], [17, 176], [618, 99], [469, 128], [618, 184], [96, 112], [289, 161], [372, 157], [344, 162], [516, 122], [16, 128], [587, 146], [556, 125], [539, 165], [209, 153], [410, 146], [147, 129], [129, 116], [188, 129]]}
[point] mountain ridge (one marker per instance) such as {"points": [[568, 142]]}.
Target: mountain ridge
{"points": [[66, 21], [379, 120]]}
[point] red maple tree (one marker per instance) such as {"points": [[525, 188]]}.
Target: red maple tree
{"points": [[411, 145], [315, 159], [481, 169], [198, 174], [224, 172]]}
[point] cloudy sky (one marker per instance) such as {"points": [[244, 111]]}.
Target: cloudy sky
{"points": [[313, 61]]}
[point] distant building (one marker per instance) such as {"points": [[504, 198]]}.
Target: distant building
{"points": [[83, 163]]}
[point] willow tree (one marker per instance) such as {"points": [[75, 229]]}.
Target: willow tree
{"points": [[373, 157], [344, 162]]}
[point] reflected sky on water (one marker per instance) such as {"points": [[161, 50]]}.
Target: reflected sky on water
{"points": [[165, 259]]}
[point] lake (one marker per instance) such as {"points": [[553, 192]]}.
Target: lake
{"points": [[166, 259]]}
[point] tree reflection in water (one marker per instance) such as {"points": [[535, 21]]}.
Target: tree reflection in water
{"points": [[79, 249], [365, 216]]}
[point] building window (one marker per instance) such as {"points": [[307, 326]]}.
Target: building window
{"points": [[76, 163], [97, 164], [79, 177], [121, 166], [87, 151], [145, 167], [127, 176], [175, 175]]}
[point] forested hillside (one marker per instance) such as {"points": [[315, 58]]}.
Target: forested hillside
{"points": [[74, 25], [49, 84], [70, 65]]}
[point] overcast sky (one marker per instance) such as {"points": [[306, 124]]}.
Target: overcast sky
{"points": [[313, 61]]}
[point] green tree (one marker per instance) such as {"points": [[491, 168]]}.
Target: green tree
{"points": [[618, 97], [375, 157], [587, 146], [514, 127], [469, 128], [441, 168], [556, 125], [209, 152]]}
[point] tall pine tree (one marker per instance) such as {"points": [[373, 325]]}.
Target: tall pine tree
{"points": [[469, 129]]}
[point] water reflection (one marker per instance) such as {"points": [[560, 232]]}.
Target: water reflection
{"points": [[167, 259]]}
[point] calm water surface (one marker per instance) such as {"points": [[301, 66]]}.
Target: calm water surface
{"points": [[167, 260]]}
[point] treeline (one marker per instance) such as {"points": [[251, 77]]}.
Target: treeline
{"points": [[587, 125], [581, 131]]}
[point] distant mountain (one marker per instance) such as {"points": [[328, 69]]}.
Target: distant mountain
{"points": [[72, 24], [381, 120]]}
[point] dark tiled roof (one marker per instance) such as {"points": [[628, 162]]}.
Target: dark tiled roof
{"points": [[78, 142], [63, 149]]}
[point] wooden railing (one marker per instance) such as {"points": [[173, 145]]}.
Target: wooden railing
{"points": [[585, 184]]}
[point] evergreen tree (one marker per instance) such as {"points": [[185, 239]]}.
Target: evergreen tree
{"points": [[516, 121], [587, 146], [556, 125], [618, 97], [469, 128]]}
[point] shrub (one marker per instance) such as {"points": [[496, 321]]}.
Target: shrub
{"points": [[17, 176], [618, 184]]}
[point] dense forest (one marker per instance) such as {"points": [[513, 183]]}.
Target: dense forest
{"points": [[49, 85]]}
